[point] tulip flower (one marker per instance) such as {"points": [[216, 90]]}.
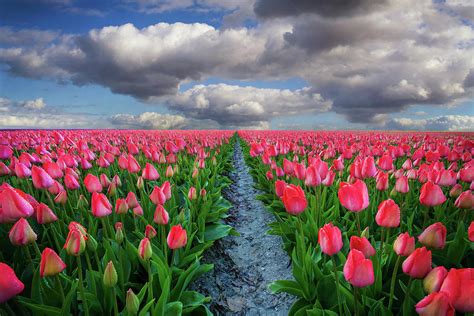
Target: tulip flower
{"points": [[418, 263], [166, 189], [71, 183], [459, 286], [161, 216], [388, 214], [13, 206], [434, 236], [192, 194], [433, 281], [119, 232], [61, 198], [41, 179], [21, 233], [44, 215], [280, 187], [431, 194], [401, 185], [358, 270], [157, 196], [177, 237], [132, 200], [169, 172], [330, 239], [144, 249], [5, 153], [92, 183], [437, 303], [75, 243], [150, 232], [132, 304], [465, 200], [100, 205], [121, 206], [150, 172], [381, 181], [353, 197], [10, 285], [404, 245], [455, 191], [363, 245], [51, 264], [294, 199]]}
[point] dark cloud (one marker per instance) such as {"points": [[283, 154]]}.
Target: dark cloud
{"points": [[331, 8]]}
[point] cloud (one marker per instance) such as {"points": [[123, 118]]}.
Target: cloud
{"points": [[366, 58], [334, 8], [36, 104], [26, 37], [149, 120], [230, 104], [438, 123]]}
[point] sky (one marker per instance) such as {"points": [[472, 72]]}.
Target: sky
{"points": [[237, 64]]}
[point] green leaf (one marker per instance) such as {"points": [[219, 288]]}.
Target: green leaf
{"points": [[217, 231], [40, 309], [174, 309], [287, 286], [68, 299]]}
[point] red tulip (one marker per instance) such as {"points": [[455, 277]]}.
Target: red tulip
{"points": [[92, 183], [22, 171], [133, 166], [354, 197], [401, 185], [404, 245], [41, 179], [433, 281], [21, 233], [150, 172], [455, 191], [431, 194], [71, 183], [358, 270], [437, 303], [369, 170], [132, 200], [418, 264], [312, 177], [150, 232], [330, 239], [166, 189], [100, 205], [10, 285], [51, 264], [192, 194], [177, 237], [157, 196], [388, 214], [5, 153], [434, 236], [363, 245], [294, 199], [121, 206], [280, 187], [465, 200], [381, 181], [75, 243], [13, 206], [161, 216], [459, 286], [44, 215]]}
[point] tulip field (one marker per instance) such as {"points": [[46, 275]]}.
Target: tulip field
{"points": [[115, 222]]}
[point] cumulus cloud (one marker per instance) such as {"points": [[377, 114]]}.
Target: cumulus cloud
{"points": [[366, 58], [438, 123], [149, 120], [230, 104], [26, 37]]}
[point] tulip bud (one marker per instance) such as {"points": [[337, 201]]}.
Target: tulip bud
{"points": [[358, 270], [418, 264], [82, 202], [132, 303], [101, 206], [169, 171], [75, 243], [118, 232], [431, 194], [294, 199], [144, 249], [404, 245], [388, 214], [433, 281], [465, 200], [140, 183], [203, 193], [455, 191], [132, 200], [150, 232], [121, 206], [434, 236], [330, 239], [363, 245], [192, 194], [61, 198], [137, 211], [161, 216], [353, 197], [112, 190], [51, 264], [177, 237], [21, 233], [365, 233], [110, 275], [44, 215], [157, 196], [10, 285]]}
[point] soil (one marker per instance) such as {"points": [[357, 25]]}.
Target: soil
{"points": [[245, 265]]}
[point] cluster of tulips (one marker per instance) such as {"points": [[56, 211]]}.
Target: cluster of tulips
{"points": [[352, 207], [109, 222]]}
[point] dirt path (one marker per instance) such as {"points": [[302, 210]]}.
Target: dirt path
{"points": [[245, 265]]}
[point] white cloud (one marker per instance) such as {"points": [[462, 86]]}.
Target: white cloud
{"points": [[36, 104], [149, 120], [443, 123]]}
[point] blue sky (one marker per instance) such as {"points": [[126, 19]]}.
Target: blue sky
{"points": [[280, 64]]}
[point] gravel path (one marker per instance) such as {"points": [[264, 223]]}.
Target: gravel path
{"points": [[244, 265]]}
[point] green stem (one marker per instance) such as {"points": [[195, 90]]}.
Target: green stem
{"points": [[150, 280], [358, 222], [337, 285], [105, 231], [60, 286], [81, 287], [114, 298], [356, 300], [392, 283]]}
